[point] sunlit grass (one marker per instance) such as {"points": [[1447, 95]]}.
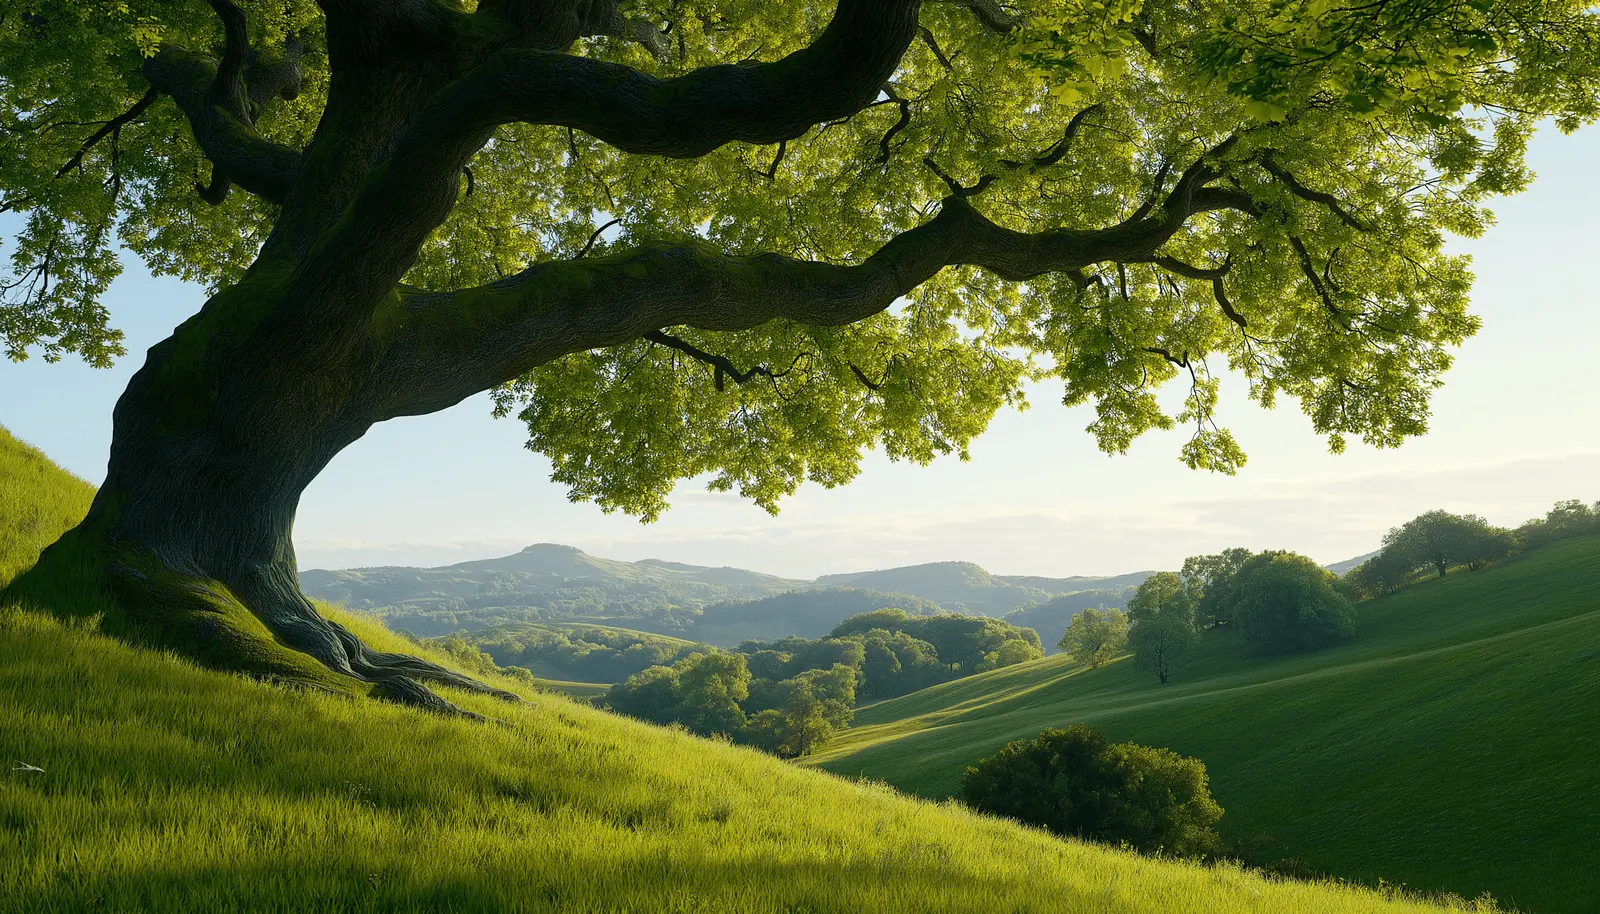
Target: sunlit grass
{"points": [[167, 787], [1452, 746], [38, 500]]}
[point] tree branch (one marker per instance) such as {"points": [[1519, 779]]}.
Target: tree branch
{"points": [[721, 365], [221, 106], [1314, 196], [263, 168], [557, 307], [994, 17], [840, 73], [109, 127]]}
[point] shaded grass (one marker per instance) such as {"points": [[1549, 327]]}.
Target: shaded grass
{"points": [[1452, 746]]}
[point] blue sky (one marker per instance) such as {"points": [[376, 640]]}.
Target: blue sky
{"points": [[1514, 429]]}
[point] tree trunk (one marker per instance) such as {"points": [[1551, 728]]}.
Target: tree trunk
{"points": [[213, 442]]}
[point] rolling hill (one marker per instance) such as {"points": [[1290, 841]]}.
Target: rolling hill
{"points": [[552, 583], [151, 784], [1451, 746]]}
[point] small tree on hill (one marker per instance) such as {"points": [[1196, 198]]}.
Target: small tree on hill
{"points": [[1287, 604], [1160, 644], [1095, 636], [1161, 629], [1444, 540], [1010, 653], [1385, 572], [1074, 782]]}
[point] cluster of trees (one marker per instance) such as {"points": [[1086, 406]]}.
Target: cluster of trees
{"points": [[715, 694], [790, 695], [1076, 782], [1279, 602], [1437, 541], [584, 653]]}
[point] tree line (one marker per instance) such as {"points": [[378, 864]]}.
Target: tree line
{"points": [[1280, 602], [1437, 541]]}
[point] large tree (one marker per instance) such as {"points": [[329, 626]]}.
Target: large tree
{"points": [[739, 238]]}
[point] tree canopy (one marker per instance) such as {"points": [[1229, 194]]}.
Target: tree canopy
{"points": [[870, 232], [1287, 604], [1161, 624], [738, 240]]}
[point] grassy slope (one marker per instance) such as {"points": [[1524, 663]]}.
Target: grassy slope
{"points": [[167, 787], [38, 500], [1452, 746]]}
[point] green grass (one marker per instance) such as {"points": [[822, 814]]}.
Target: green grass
{"points": [[1451, 746], [167, 787], [38, 500]]}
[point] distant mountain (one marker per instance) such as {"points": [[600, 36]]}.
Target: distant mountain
{"points": [[953, 585], [1076, 584], [542, 583], [1051, 618], [807, 613], [548, 583], [1345, 567]]}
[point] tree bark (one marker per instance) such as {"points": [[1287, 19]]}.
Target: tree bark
{"points": [[214, 440]]}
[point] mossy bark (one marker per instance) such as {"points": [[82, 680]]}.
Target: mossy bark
{"points": [[214, 440]]}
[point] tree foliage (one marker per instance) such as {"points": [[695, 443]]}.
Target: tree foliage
{"points": [[1287, 604], [1074, 782], [1113, 195], [1161, 625], [1095, 636], [1443, 540], [737, 240], [1212, 582], [1566, 519]]}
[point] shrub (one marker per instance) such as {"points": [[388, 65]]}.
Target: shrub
{"points": [[1076, 783]]}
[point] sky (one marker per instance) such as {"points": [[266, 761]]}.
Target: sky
{"points": [[1514, 429]]}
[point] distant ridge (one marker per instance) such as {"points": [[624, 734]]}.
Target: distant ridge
{"points": [[551, 582]]}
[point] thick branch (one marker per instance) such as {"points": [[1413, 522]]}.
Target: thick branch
{"points": [[994, 17], [688, 116], [836, 76], [261, 167], [555, 308]]}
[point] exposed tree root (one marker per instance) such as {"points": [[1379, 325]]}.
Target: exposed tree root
{"points": [[260, 624]]}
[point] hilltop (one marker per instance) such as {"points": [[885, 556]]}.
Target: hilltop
{"points": [[157, 785], [1450, 746]]}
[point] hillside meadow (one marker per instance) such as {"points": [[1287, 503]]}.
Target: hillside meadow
{"points": [[164, 786], [1450, 746]]}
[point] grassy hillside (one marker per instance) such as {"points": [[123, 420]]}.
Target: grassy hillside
{"points": [[1452, 746], [38, 500], [165, 787], [807, 613]]}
